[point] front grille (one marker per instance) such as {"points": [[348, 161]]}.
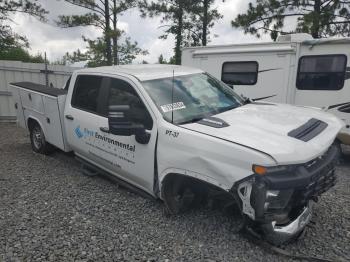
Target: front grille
{"points": [[320, 184], [329, 157], [322, 178]]}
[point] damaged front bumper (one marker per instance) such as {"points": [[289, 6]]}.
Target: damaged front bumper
{"points": [[279, 202], [278, 234]]}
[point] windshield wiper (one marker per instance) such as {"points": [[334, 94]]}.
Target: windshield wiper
{"points": [[251, 100], [213, 113]]}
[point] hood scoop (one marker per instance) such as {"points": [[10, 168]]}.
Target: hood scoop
{"points": [[213, 122], [309, 130]]}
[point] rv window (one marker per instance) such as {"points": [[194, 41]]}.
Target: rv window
{"points": [[324, 72], [240, 73]]}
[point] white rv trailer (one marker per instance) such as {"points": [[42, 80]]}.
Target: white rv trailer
{"points": [[297, 69]]}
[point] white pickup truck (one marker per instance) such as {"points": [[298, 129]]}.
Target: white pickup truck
{"points": [[178, 134]]}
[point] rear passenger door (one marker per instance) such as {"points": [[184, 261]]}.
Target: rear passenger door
{"points": [[83, 117], [123, 155]]}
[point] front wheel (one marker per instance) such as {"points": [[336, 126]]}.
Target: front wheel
{"points": [[37, 140], [182, 194]]}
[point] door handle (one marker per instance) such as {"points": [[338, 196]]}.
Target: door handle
{"points": [[104, 129], [69, 117]]}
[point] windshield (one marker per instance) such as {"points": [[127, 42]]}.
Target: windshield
{"points": [[194, 97]]}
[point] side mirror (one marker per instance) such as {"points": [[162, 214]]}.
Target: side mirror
{"points": [[120, 123]]}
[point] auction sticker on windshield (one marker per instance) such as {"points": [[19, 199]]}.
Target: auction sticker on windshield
{"points": [[173, 107]]}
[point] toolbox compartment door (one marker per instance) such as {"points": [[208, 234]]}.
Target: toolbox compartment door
{"points": [[32, 101], [52, 123], [18, 107]]}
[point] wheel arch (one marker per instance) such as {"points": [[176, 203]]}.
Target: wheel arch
{"points": [[181, 192], [183, 175], [32, 121]]}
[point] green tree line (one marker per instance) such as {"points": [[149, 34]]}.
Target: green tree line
{"points": [[12, 45], [189, 21]]}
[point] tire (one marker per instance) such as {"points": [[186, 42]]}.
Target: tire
{"points": [[38, 141], [182, 194], [342, 156]]}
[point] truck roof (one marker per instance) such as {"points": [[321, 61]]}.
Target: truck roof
{"points": [[144, 72]]}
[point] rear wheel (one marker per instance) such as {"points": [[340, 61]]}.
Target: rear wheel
{"points": [[37, 139]]}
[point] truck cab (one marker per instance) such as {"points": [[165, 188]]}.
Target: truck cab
{"points": [[178, 134]]}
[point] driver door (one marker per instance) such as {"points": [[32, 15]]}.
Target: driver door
{"points": [[123, 155]]}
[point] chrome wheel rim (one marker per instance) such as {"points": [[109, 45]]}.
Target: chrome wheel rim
{"points": [[37, 137]]}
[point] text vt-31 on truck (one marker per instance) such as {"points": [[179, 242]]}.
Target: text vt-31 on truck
{"points": [[179, 134]]}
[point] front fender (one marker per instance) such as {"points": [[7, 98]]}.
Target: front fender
{"points": [[212, 160]]}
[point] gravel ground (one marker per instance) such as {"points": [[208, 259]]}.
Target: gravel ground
{"points": [[49, 211]]}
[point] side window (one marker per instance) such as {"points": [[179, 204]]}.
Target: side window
{"points": [[66, 87], [86, 92], [122, 93], [240, 73], [324, 72]]}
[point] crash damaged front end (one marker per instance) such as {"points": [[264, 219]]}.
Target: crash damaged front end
{"points": [[278, 203]]}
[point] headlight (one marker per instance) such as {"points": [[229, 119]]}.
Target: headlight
{"points": [[277, 199], [268, 199]]}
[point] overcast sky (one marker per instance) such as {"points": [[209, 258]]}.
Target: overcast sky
{"points": [[57, 41]]}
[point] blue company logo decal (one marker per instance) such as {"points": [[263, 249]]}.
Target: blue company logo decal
{"points": [[86, 133], [78, 132], [83, 133]]}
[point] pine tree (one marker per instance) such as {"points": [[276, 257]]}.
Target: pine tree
{"points": [[320, 18], [206, 17], [9, 39], [96, 55], [176, 18], [102, 14]]}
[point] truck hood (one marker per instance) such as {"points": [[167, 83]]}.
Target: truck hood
{"points": [[265, 127]]}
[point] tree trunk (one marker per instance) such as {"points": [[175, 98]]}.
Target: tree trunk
{"points": [[315, 28], [179, 34], [115, 35], [107, 34], [205, 22]]}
